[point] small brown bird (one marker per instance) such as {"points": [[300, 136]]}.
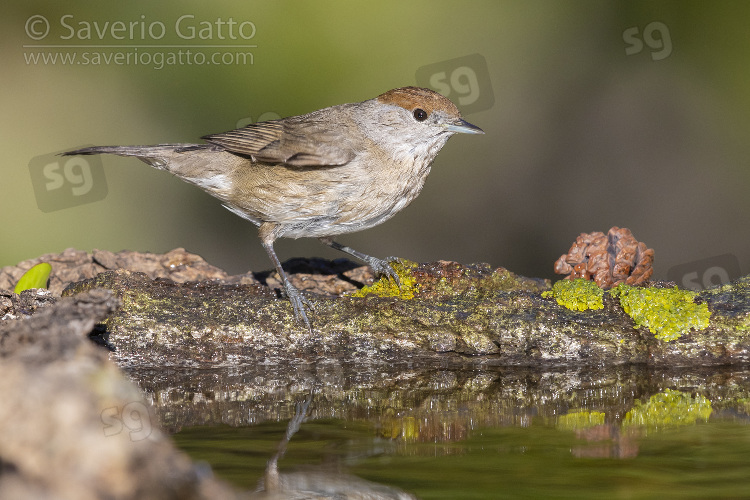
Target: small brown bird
{"points": [[333, 171]]}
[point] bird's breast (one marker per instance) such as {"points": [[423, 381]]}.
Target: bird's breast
{"points": [[327, 201]]}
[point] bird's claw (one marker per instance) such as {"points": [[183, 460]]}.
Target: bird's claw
{"points": [[299, 303], [383, 267]]}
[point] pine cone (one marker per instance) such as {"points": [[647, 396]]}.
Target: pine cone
{"points": [[608, 260]]}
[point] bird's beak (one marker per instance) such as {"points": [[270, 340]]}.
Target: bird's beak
{"points": [[463, 127]]}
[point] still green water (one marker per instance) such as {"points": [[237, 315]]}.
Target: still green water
{"points": [[645, 435], [707, 460]]}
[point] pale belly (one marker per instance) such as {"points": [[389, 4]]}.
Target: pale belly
{"points": [[308, 204]]}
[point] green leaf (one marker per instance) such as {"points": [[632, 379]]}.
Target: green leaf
{"points": [[36, 277]]}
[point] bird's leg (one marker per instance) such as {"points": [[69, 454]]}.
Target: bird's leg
{"points": [[299, 302], [382, 267], [272, 482]]}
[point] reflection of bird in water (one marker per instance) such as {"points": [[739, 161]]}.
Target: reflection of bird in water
{"points": [[314, 484]]}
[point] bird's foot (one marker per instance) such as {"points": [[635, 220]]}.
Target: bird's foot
{"points": [[383, 267], [299, 303]]}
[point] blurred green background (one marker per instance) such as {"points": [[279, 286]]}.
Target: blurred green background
{"points": [[596, 113]]}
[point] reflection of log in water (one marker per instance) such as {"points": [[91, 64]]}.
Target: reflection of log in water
{"points": [[317, 483], [608, 436], [417, 405]]}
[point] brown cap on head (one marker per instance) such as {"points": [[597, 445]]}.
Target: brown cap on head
{"points": [[411, 98]]}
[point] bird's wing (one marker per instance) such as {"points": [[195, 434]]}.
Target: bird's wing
{"points": [[303, 143]]}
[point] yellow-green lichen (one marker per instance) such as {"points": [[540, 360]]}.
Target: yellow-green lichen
{"points": [[387, 287], [668, 409], [401, 428], [580, 420], [577, 295], [667, 312]]}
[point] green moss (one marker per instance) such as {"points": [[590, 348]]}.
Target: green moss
{"points": [[36, 277], [386, 287], [577, 295], [580, 420], [668, 409], [667, 312]]}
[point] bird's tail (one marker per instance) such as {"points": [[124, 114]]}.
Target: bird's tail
{"points": [[204, 165], [157, 156]]}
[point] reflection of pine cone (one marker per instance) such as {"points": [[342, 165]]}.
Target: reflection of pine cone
{"points": [[608, 259]]}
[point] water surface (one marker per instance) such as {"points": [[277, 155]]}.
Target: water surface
{"points": [[626, 432]]}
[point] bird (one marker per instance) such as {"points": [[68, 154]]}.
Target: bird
{"points": [[333, 171]]}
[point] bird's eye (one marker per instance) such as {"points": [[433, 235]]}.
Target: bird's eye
{"points": [[420, 114]]}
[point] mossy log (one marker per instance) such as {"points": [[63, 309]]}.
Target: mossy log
{"points": [[456, 316]]}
